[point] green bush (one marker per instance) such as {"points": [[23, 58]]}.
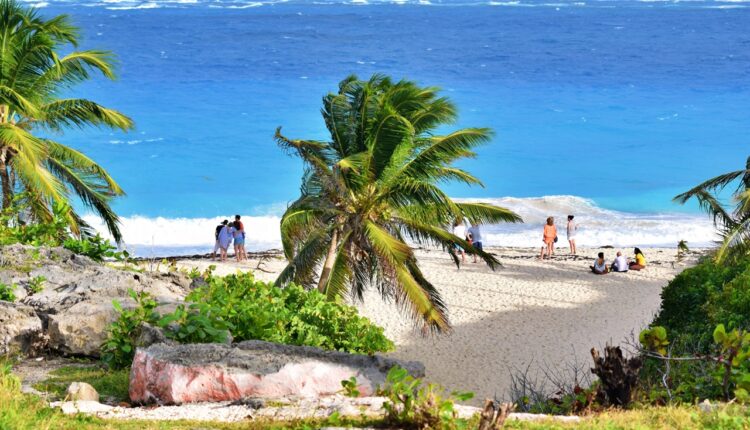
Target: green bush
{"points": [[96, 247], [118, 350], [289, 315], [198, 323], [701, 297], [6, 292]]}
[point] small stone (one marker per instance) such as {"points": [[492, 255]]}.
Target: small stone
{"points": [[81, 391]]}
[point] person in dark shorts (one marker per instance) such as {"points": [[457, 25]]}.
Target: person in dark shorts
{"points": [[476, 238]]}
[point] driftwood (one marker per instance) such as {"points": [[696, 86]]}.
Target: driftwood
{"points": [[493, 418], [617, 374]]}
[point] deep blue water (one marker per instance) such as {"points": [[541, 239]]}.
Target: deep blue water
{"points": [[626, 103]]}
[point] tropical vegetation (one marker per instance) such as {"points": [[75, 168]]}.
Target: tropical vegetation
{"points": [[247, 309], [39, 62], [733, 223], [373, 187]]}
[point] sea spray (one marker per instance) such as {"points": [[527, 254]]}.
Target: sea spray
{"points": [[157, 237]]}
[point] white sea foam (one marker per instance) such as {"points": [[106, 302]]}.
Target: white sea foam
{"points": [[160, 236], [597, 226]]}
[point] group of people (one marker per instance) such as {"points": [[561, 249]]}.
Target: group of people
{"points": [[472, 235], [549, 237], [620, 264], [227, 234]]}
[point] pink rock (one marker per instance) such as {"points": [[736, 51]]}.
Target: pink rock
{"points": [[216, 372]]}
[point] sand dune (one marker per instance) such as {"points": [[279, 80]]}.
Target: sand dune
{"points": [[527, 313]]}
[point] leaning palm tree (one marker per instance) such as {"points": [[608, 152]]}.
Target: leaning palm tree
{"points": [[374, 186], [33, 75], [733, 223]]}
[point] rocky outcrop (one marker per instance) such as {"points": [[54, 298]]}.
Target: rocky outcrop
{"points": [[216, 372], [74, 307], [20, 329]]}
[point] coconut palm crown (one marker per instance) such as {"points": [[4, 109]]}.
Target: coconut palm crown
{"points": [[33, 78], [374, 186], [733, 223]]}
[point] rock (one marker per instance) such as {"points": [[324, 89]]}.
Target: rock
{"points": [[151, 335], [81, 329], [82, 407], [81, 391], [216, 372], [20, 329]]}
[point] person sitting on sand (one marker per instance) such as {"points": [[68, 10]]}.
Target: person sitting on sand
{"points": [[225, 239], [239, 241], [476, 238], [459, 230], [620, 264], [549, 237], [640, 261], [600, 266], [216, 236], [571, 230]]}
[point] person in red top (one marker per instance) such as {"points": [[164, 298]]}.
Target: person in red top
{"points": [[242, 226], [549, 236]]}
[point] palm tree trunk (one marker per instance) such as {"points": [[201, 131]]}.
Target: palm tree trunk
{"points": [[7, 188], [325, 275]]}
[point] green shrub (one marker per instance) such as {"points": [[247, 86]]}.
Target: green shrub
{"points": [[198, 323], [36, 285], [290, 315], [701, 297], [6, 292], [413, 404], [96, 247], [118, 350]]}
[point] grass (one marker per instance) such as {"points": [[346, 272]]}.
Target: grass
{"points": [[27, 412], [112, 385]]}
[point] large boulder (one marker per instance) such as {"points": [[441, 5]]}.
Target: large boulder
{"points": [[20, 329], [216, 372], [75, 304]]}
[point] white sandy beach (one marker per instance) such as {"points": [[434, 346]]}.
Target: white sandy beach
{"points": [[543, 313]]}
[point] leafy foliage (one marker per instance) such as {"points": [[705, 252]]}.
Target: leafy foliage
{"points": [[198, 323], [7, 292], [118, 350], [350, 387], [655, 339], [701, 297], [374, 185], [246, 309], [95, 247], [38, 64], [413, 404], [36, 285], [733, 223], [291, 315]]}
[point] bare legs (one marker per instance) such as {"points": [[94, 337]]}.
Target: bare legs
{"points": [[572, 243], [549, 247]]}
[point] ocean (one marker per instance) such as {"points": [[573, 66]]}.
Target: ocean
{"points": [[603, 109]]}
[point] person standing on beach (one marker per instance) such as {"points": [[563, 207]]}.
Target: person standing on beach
{"points": [[459, 230], [476, 237], [572, 227], [225, 239], [239, 241], [241, 226], [216, 236], [549, 237]]}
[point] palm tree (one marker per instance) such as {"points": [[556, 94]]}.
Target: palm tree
{"points": [[734, 224], [374, 186], [33, 75]]}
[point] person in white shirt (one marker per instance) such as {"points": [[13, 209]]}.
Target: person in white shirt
{"points": [[620, 264], [571, 230], [476, 238], [459, 230]]}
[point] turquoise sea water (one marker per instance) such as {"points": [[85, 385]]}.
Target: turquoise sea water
{"points": [[621, 104]]}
